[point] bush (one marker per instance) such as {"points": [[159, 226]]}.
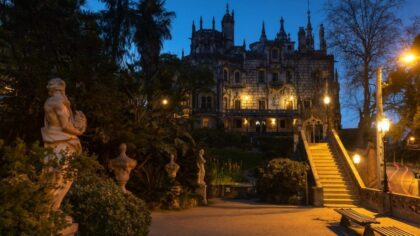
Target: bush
{"points": [[282, 181], [101, 208], [24, 205]]}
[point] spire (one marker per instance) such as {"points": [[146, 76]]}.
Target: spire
{"points": [[282, 36], [213, 23], [263, 37], [233, 15], [244, 44], [193, 29], [201, 22], [322, 43], [309, 35], [227, 8], [182, 54]]}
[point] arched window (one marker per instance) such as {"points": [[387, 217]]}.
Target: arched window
{"points": [[237, 104], [275, 76], [203, 102], [275, 54], [237, 77], [209, 103], [225, 75], [261, 76]]}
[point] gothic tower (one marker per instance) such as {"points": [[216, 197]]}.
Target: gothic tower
{"points": [[228, 24]]}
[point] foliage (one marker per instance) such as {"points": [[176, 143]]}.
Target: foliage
{"points": [[99, 205], [275, 146], [363, 32], [219, 138], [24, 205], [223, 172], [282, 181]]}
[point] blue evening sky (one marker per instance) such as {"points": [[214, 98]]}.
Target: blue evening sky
{"points": [[249, 15]]}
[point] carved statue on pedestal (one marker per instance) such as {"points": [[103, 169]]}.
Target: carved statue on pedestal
{"points": [[60, 132], [172, 168], [201, 169], [122, 166]]}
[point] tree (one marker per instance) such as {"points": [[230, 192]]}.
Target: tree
{"points": [[117, 27], [363, 33], [153, 24]]}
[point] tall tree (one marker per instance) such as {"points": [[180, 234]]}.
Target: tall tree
{"points": [[153, 24], [363, 33], [117, 26]]}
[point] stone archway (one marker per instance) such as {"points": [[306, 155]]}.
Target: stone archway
{"points": [[315, 130]]}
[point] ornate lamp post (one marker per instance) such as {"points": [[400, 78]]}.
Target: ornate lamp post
{"points": [[327, 101]]}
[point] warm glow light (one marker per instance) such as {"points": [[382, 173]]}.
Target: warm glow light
{"points": [[408, 58], [245, 121], [291, 98], [384, 125], [273, 121], [327, 100], [246, 97], [412, 139], [165, 102], [356, 158]]}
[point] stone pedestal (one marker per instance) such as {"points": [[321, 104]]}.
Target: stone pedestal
{"points": [[202, 191], [174, 201], [70, 230]]}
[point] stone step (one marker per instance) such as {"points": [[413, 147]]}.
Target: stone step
{"points": [[340, 196], [329, 172], [337, 190], [332, 181], [339, 201], [340, 206]]}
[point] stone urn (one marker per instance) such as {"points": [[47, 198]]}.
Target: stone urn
{"points": [[122, 167]]}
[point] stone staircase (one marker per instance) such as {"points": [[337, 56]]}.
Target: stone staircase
{"points": [[338, 188]]}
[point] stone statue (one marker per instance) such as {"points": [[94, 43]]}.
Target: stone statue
{"points": [[122, 166], [172, 168], [201, 169], [60, 131]]}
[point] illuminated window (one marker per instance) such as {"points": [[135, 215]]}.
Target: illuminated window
{"points": [[205, 122], [237, 104]]}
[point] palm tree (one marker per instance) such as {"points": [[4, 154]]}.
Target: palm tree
{"points": [[153, 23]]}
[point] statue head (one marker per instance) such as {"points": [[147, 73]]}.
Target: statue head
{"points": [[201, 152], [172, 157], [56, 84], [123, 148]]}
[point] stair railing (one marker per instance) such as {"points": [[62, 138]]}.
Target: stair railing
{"points": [[341, 152], [318, 199]]}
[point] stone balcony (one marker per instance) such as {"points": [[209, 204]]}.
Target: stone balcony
{"points": [[261, 112]]}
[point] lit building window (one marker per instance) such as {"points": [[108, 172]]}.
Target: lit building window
{"points": [[205, 122], [237, 104]]}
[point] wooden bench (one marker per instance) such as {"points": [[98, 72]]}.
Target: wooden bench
{"points": [[349, 215], [391, 231]]}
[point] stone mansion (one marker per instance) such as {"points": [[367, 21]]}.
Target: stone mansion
{"points": [[273, 86]]}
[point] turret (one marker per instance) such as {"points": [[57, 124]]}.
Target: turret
{"points": [[263, 36], [228, 24], [244, 45], [201, 22], [322, 43], [302, 39], [213, 23], [282, 36], [193, 30]]}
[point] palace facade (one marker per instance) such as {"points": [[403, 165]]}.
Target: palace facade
{"points": [[271, 87]]}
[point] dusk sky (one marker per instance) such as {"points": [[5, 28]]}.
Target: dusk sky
{"points": [[249, 15]]}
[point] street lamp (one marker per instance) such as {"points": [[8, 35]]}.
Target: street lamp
{"points": [[356, 159], [165, 102], [408, 58], [327, 101]]}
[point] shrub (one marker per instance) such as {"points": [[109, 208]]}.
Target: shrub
{"points": [[24, 205], [282, 181], [101, 208]]}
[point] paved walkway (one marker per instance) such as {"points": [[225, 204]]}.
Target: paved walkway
{"points": [[224, 217]]}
